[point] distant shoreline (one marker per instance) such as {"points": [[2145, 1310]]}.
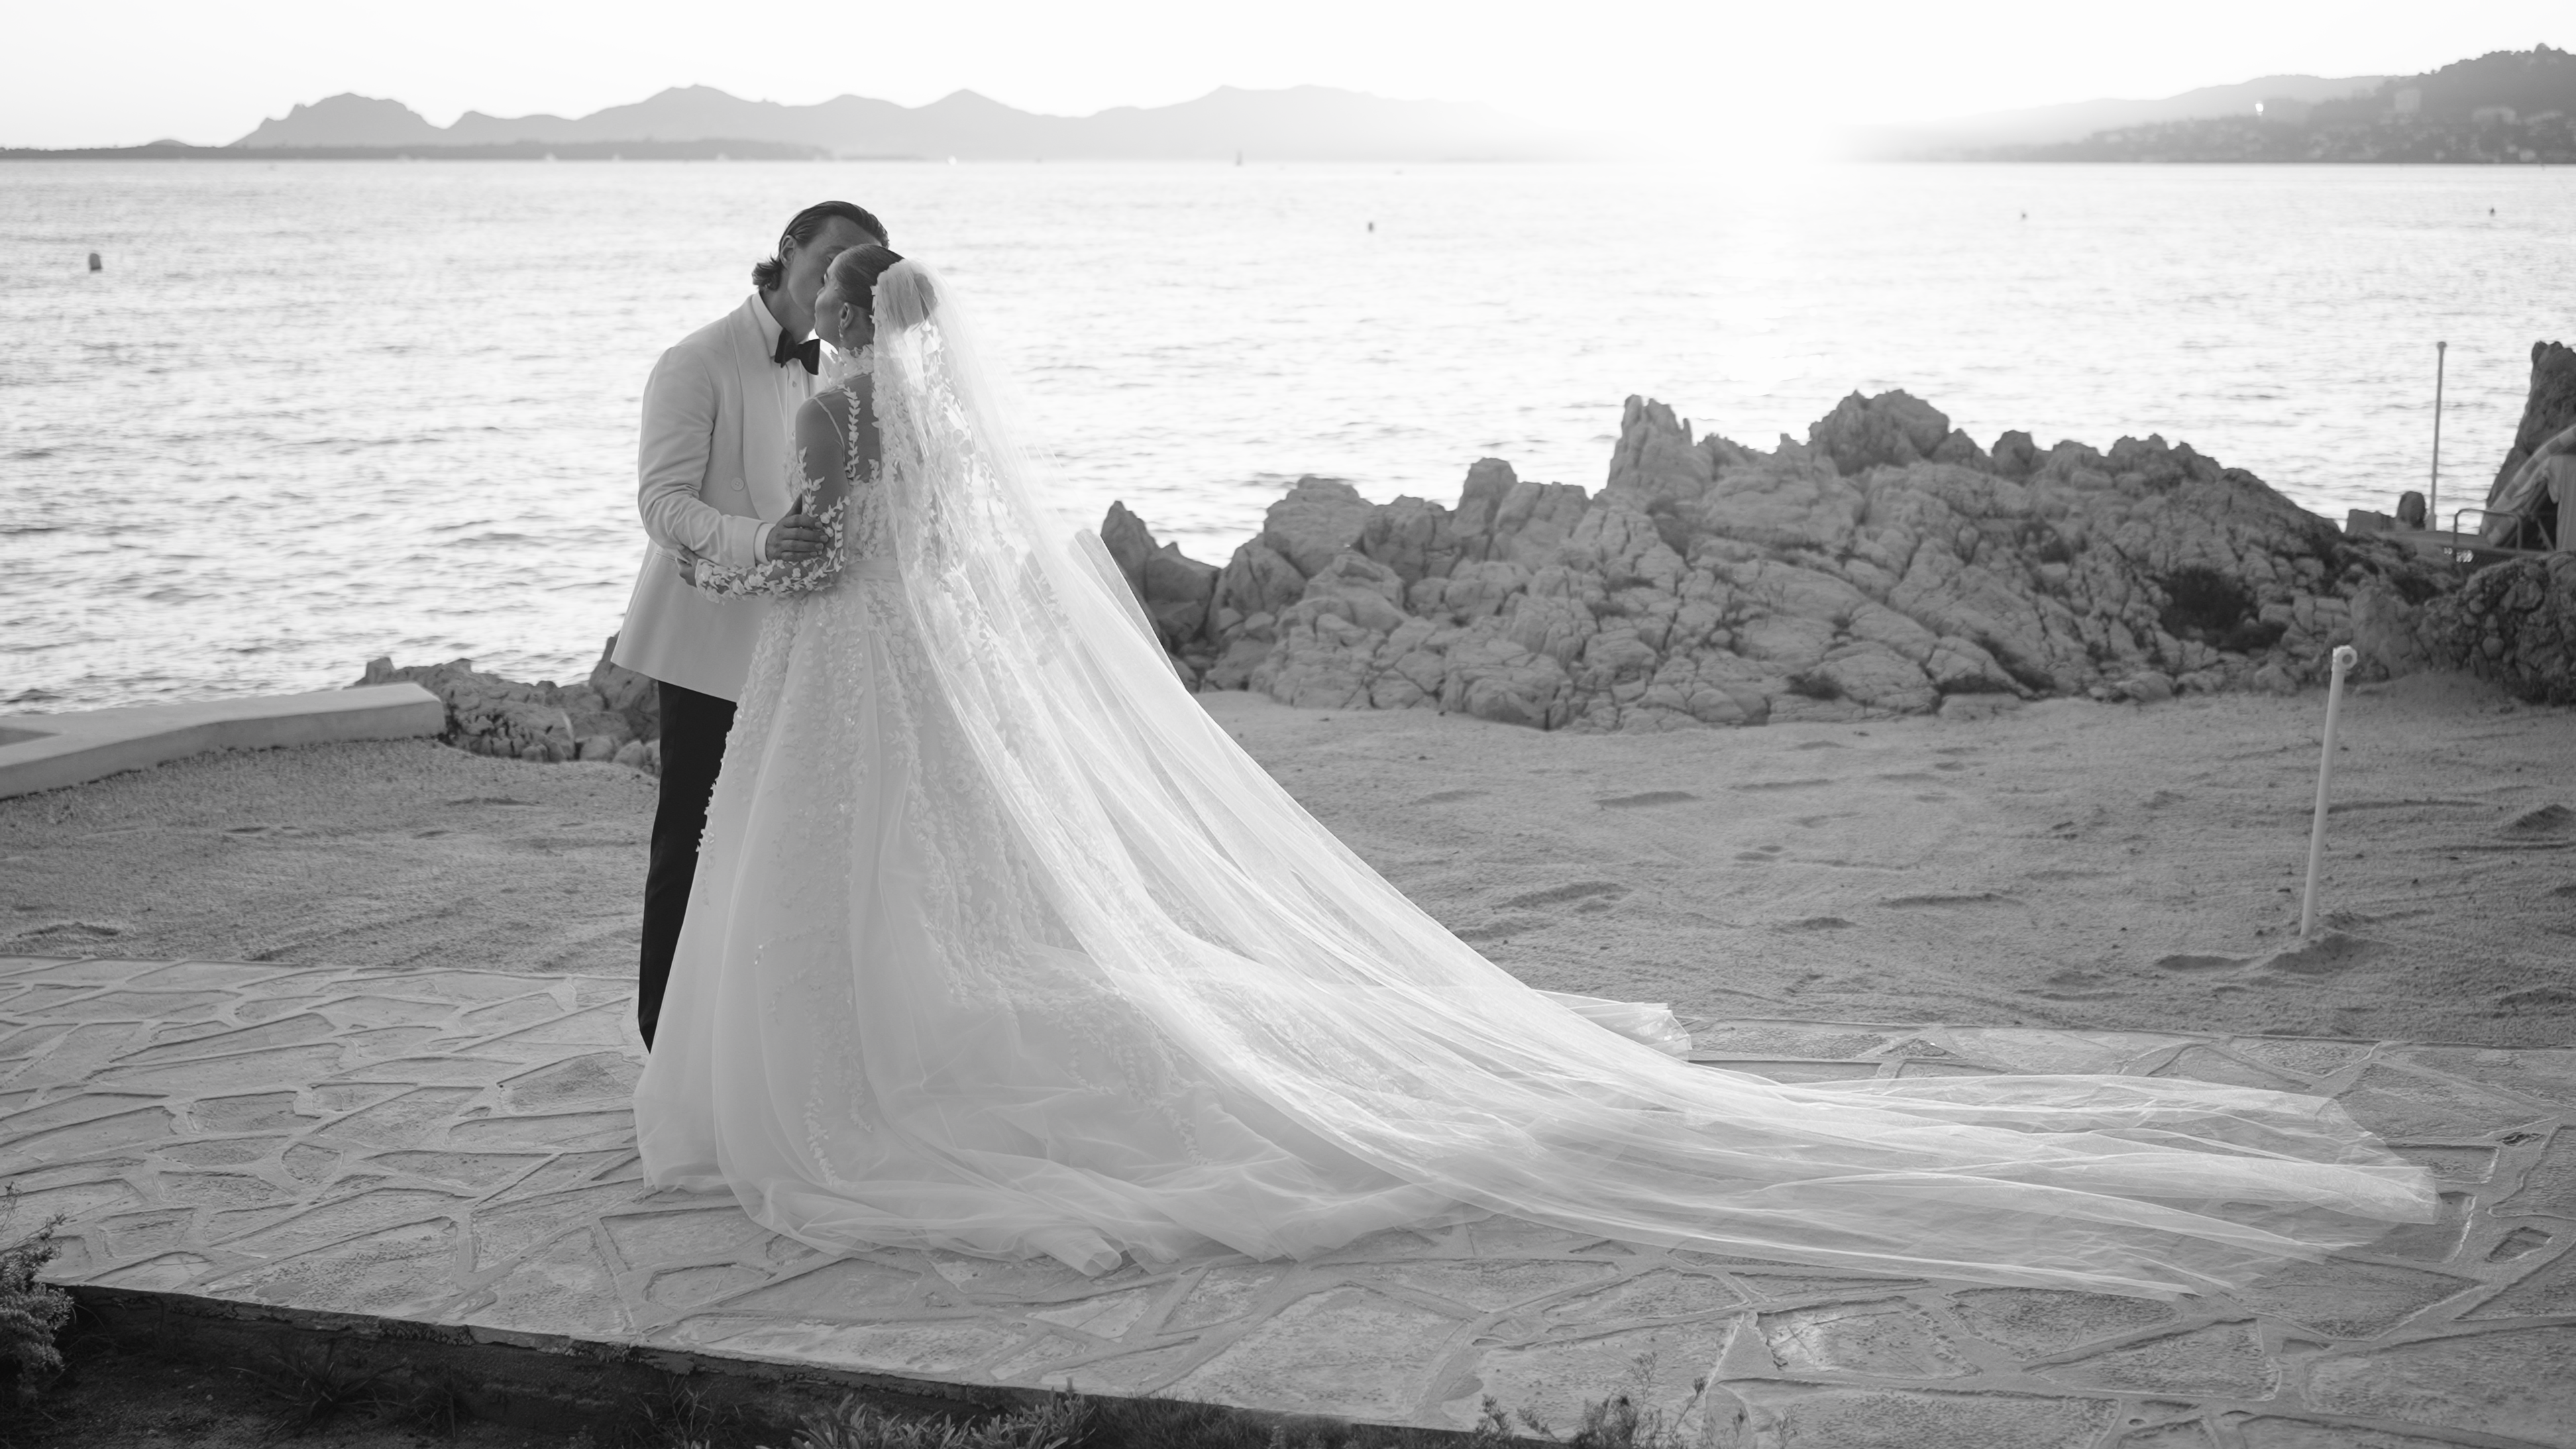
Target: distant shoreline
{"points": [[725, 151], [690, 151], [712, 150]]}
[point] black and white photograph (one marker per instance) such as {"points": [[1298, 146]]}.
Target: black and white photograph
{"points": [[1348, 726]]}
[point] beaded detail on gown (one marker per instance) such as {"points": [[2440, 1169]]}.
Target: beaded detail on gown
{"points": [[999, 945]]}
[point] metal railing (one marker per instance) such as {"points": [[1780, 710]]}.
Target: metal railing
{"points": [[2521, 524]]}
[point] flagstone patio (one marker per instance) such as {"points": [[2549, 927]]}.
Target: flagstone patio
{"points": [[454, 1147]]}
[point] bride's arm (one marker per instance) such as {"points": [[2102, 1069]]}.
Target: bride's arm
{"points": [[819, 480]]}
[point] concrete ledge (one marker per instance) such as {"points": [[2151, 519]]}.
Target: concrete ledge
{"points": [[548, 1384], [50, 751]]}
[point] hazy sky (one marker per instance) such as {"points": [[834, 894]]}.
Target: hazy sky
{"points": [[141, 70]]}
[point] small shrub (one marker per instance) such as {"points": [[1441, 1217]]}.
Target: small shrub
{"points": [[674, 1417], [31, 1313], [1062, 1422], [1617, 1423], [2203, 604]]}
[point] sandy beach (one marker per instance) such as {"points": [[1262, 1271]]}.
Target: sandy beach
{"points": [[2070, 863]]}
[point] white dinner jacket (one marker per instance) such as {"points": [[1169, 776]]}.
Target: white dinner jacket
{"points": [[711, 466]]}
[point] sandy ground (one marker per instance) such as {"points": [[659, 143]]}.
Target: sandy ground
{"points": [[2072, 864]]}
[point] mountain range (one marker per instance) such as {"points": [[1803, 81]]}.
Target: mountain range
{"points": [[2507, 105], [2053, 125], [2503, 108], [1306, 123], [2450, 114]]}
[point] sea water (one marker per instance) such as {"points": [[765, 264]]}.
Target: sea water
{"points": [[309, 413]]}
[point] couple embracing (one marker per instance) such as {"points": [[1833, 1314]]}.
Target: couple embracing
{"points": [[980, 935]]}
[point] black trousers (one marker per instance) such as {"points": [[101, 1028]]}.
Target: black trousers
{"points": [[694, 727]]}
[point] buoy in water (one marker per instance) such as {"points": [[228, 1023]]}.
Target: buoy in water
{"points": [[95, 264], [1372, 226]]}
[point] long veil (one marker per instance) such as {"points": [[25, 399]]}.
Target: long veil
{"points": [[1285, 966]]}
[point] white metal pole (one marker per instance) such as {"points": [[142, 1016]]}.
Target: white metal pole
{"points": [[2343, 658], [2433, 505]]}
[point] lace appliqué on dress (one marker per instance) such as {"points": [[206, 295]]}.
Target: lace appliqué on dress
{"points": [[863, 503], [781, 576]]}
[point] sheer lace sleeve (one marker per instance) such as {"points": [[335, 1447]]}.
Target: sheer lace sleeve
{"points": [[827, 431]]}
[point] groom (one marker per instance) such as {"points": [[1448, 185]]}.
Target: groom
{"points": [[712, 474]]}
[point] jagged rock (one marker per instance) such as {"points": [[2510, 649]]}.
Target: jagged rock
{"points": [[1530, 521], [1257, 583], [1188, 602], [1129, 543], [490, 715], [1176, 590], [1658, 461], [2513, 622], [1470, 592], [1233, 668], [616, 715], [1893, 427], [1885, 566], [1495, 678], [1357, 588], [2015, 455], [636, 699], [1319, 517], [2549, 408], [1412, 537]]}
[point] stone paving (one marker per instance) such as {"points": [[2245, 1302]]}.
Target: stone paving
{"points": [[455, 1147]]}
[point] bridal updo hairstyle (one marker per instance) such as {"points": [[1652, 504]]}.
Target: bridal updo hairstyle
{"points": [[805, 226], [858, 270]]}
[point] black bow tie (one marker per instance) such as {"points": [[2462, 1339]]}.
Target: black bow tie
{"points": [[808, 352]]}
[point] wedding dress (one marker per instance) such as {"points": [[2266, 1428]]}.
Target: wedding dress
{"points": [[999, 944]]}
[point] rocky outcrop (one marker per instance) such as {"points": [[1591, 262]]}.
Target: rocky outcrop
{"points": [[1886, 565], [1174, 588], [2549, 409], [2512, 622], [613, 715]]}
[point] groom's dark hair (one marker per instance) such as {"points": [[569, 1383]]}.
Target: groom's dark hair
{"points": [[804, 225]]}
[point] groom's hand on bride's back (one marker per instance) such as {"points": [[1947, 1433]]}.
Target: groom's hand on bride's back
{"points": [[797, 536]]}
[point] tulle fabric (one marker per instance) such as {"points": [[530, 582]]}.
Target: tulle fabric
{"points": [[1000, 944]]}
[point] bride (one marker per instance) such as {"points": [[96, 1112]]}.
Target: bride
{"points": [[999, 944]]}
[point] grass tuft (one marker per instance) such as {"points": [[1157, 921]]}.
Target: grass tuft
{"points": [[308, 1387], [440, 1405], [1062, 1422]]}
